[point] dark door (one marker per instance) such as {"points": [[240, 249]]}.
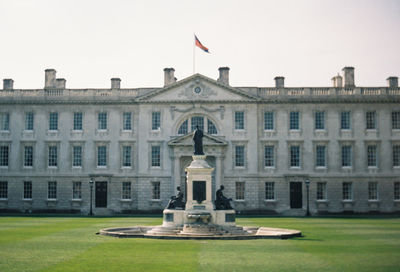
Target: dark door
{"points": [[296, 196], [101, 194]]}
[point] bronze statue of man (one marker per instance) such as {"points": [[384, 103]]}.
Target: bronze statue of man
{"points": [[198, 141]]}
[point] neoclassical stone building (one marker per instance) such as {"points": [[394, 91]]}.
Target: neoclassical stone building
{"points": [[264, 143]]}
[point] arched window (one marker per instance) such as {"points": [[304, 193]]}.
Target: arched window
{"points": [[201, 121]]}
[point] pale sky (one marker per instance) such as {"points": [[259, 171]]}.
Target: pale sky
{"points": [[308, 42]]}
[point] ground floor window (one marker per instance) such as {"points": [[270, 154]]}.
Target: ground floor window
{"points": [[270, 190], [52, 190], [3, 189], [321, 191], [372, 190], [155, 190], [77, 190], [396, 155], [397, 191], [126, 190], [347, 191], [27, 189], [240, 190]]}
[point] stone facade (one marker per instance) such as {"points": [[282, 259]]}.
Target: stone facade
{"points": [[263, 143]]}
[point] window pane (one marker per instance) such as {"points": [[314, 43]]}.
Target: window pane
{"points": [[77, 156], [52, 155], [268, 120], [294, 120], [239, 155], [320, 160], [4, 151], [371, 120], [183, 129], [346, 156], [77, 121], [211, 128], [295, 156], [101, 156], [345, 120], [155, 155], [77, 190], [155, 120], [27, 189], [127, 121], [371, 155], [239, 120], [239, 190], [102, 120], [29, 121], [269, 160], [320, 120], [3, 189], [28, 156], [126, 190], [53, 121], [396, 120], [52, 190], [197, 121], [269, 190], [126, 156]]}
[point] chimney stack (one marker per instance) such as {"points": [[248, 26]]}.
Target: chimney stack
{"points": [[60, 83], [348, 75], [393, 82], [337, 81], [50, 78], [279, 82], [8, 84], [115, 83], [223, 75], [169, 77]]}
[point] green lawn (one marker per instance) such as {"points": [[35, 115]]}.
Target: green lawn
{"points": [[70, 244]]}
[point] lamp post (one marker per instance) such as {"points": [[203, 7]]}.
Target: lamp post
{"points": [[91, 182], [308, 196]]}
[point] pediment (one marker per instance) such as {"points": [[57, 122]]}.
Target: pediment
{"points": [[197, 88], [208, 140]]}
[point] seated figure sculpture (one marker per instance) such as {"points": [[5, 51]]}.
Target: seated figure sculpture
{"points": [[176, 202], [222, 202]]}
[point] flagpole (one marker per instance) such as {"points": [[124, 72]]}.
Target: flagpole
{"points": [[194, 59]]}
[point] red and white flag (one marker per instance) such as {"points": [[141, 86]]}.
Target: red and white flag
{"points": [[200, 45]]}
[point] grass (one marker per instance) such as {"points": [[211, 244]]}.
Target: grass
{"points": [[70, 244]]}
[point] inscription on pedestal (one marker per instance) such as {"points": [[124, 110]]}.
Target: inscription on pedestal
{"points": [[199, 191], [169, 217], [230, 217]]}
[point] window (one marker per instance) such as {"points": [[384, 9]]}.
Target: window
{"points": [[239, 120], [239, 155], [372, 191], [155, 120], [155, 190], [77, 156], [294, 156], [197, 121], [268, 120], [270, 190], [3, 189], [396, 155], [371, 156], [321, 191], [53, 121], [29, 117], [320, 156], [4, 153], [396, 120], [77, 190], [4, 121], [28, 156], [155, 156], [53, 156], [126, 156], [102, 120], [319, 120], [347, 191], [27, 189], [345, 120], [127, 121], [52, 190], [126, 190], [269, 159], [102, 155], [77, 120], [294, 123], [371, 119], [346, 156], [397, 191], [240, 190]]}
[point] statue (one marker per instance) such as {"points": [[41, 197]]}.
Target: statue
{"points": [[222, 202], [176, 201], [198, 141]]}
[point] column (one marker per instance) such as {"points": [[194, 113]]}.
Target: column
{"points": [[218, 171], [177, 174]]}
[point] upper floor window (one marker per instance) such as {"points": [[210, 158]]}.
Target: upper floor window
{"points": [[29, 117], [4, 154], [239, 156], [77, 120], [52, 156], [396, 120], [127, 121], [269, 120], [319, 120], [102, 120], [269, 156], [199, 121], [155, 120], [77, 156], [294, 156], [294, 120], [28, 156], [320, 156], [346, 156], [372, 156], [127, 156], [345, 120], [53, 121], [370, 119], [396, 155], [239, 120], [102, 155], [155, 156], [4, 121]]}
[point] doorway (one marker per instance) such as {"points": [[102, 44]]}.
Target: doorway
{"points": [[101, 194], [296, 195]]}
